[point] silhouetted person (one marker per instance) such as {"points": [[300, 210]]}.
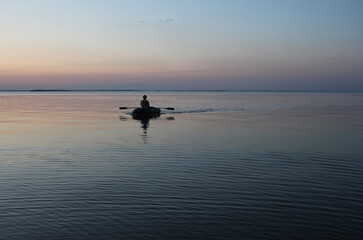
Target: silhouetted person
{"points": [[144, 103]]}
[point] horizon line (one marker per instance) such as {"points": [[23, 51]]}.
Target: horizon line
{"points": [[173, 90]]}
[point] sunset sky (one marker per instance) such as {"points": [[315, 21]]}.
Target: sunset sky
{"points": [[189, 44]]}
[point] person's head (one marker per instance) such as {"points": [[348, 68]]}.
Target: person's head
{"points": [[144, 97]]}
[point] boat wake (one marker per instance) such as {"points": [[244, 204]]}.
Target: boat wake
{"points": [[205, 110], [211, 110]]}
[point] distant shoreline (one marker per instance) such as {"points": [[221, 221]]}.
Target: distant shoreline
{"points": [[132, 90], [144, 90]]}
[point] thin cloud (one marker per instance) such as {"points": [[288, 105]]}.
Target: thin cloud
{"points": [[167, 20], [4, 73], [163, 21]]}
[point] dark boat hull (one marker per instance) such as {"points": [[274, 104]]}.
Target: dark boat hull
{"points": [[146, 113]]}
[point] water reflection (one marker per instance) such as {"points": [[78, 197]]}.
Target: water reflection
{"points": [[144, 126], [145, 123]]}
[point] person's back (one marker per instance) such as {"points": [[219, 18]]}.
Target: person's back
{"points": [[144, 103]]}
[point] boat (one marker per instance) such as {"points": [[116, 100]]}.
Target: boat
{"points": [[141, 113]]}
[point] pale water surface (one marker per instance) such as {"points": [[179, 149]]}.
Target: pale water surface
{"points": [[221, 166]]}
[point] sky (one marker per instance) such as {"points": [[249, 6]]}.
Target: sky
{"points": [[314, 45]]}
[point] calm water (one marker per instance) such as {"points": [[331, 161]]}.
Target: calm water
{"points": [[221, 166]]}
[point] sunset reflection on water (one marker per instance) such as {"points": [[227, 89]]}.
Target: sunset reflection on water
{"points": [[218, 161]]}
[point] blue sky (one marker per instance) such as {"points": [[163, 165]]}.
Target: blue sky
{"points": [[260, 44]]}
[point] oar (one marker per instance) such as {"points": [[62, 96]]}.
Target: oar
{"points": [[126, 107], [168, 108]]}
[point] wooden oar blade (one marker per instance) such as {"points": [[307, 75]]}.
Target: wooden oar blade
{"points": [[169, 108], [123, 108]]}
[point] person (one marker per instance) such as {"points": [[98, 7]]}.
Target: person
{"points": [[145, 103]]}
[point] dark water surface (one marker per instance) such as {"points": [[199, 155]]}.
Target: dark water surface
{"points": [[221, 166]]}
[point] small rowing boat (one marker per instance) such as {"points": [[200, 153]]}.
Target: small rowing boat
{"points": [[150, 112]]}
